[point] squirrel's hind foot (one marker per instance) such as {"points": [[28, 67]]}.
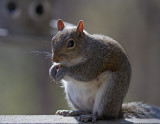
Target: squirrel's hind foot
{"points": [[70, 113], [87, 118]]}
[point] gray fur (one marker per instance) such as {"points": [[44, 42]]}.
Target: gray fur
{"points": [[140, 110], [100, 54]]}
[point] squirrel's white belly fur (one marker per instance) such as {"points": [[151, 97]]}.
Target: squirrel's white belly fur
{"points": [[81, 95]]}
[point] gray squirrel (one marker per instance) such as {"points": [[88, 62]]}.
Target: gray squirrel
{"points": [[95, 72]]}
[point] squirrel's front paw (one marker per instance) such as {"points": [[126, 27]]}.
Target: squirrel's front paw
{"points": [[53, 71], [57, 72]]}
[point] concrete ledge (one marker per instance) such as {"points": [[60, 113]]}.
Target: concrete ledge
{"points": [[60, 119]]}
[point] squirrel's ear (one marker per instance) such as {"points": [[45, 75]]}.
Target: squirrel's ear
{"points": [[80, 28], [60, 25]]}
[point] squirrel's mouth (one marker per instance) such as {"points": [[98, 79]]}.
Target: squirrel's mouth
{"points": [[59, 58], [64, 62], [72, 62]]}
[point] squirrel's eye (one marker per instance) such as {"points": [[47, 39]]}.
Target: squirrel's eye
{"points": [[70, 44]]}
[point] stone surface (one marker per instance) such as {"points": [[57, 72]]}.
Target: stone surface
{"points": [[60, 119]]}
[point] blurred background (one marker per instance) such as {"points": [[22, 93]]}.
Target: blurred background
{"points": [[26, 31]]}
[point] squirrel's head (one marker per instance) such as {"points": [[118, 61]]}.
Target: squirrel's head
{"points": [[67, 44]]}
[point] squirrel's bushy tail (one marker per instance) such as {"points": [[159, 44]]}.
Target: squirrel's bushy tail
{"points": [[140, 110]]}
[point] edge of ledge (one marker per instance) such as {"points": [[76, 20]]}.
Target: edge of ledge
{"points": [[17, 119]]}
